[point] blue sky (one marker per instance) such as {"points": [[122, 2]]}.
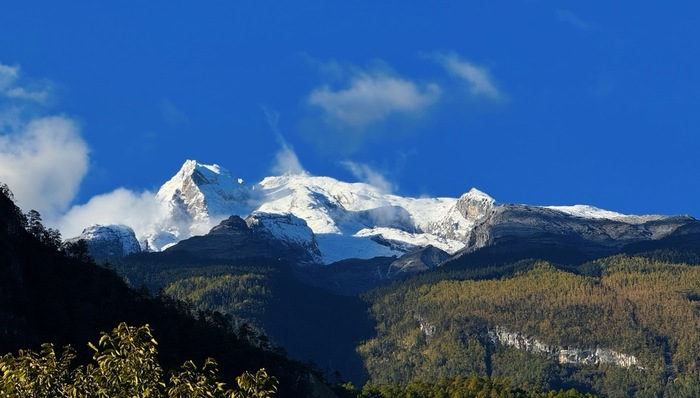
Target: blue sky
{"points": [[538, 102]]}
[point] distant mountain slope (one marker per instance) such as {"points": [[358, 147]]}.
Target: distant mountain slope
{"points": [[539, 226]]}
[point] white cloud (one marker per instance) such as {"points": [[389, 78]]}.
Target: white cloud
{"points": [[372, 97], [478, 78], [140, 211], [43, 161], [370, 176]]}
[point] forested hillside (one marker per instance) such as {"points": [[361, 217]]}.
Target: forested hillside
{"points": [[262, 296], [634, 307]]}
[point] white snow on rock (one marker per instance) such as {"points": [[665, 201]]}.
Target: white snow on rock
{"points": [[336, 220], [287, 228], [585, 211], [197, 198], [107, 241], [356, 220]]}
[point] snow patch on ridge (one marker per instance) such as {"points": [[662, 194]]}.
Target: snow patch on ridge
{"points": [[586, 211], [412, 240]]}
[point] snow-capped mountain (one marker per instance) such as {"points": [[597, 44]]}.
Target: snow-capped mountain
{"points": [[197, 198], [337, 220], [356, 220], [109, 241]]}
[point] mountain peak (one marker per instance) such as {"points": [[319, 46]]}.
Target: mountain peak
{"points": [[476, 194], [202, 174], [474, 204], [196, 199]]}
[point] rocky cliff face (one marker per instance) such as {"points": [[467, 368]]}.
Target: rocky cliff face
{"points": [[460, 219], [109, 241], [563, 355]]}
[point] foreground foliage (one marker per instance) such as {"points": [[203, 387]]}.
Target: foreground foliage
{"points": [[125, 365]]}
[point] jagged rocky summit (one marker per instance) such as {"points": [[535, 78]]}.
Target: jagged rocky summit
{"points": [[331, 220]]}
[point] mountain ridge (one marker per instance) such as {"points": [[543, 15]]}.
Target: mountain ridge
{"points": [[338, 220]]}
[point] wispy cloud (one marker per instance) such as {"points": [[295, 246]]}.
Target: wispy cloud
{"points": [[478, 78], [575, 21], [10, 86], [286, 160], [372, 96], [171, 114], [22, 93], [367, 174], [329, 70], [8, 74]]}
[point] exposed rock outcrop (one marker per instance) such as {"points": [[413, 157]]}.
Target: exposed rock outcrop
{"points": [[563, 355], [467, 211]]}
